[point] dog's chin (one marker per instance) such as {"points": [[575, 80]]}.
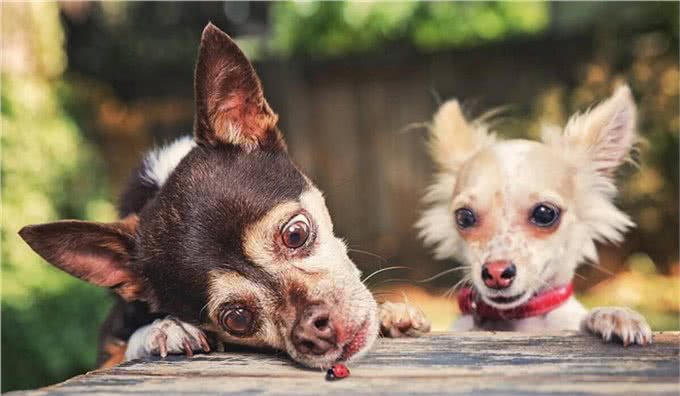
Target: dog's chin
{"points": [[316, 361], [506, 300], [356, 346], [361, 341]]}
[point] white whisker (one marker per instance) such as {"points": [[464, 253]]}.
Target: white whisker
{"points": [[383, 270], [446, 272], [384, 260]]}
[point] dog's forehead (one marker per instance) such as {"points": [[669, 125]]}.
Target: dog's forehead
{"points": [[533, 170], [513, 155], [229, 180], [516, 167]]}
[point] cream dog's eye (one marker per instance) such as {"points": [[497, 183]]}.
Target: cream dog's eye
{"points": [[544, 215], [465, 218]]}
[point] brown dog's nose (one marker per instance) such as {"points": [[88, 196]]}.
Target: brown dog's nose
{"points": [[498, 274], [314, 333]]}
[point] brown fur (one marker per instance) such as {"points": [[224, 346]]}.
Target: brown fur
{"points": [[203, 241], [95, 252], [234, 110], [115, 350]]}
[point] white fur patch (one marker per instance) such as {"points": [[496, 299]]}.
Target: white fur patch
{"points": [[161, 162]]}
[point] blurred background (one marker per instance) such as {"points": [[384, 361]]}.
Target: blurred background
{"points": [[87, 87]]}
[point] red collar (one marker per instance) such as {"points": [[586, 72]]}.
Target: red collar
{"points": [[540, 304]]}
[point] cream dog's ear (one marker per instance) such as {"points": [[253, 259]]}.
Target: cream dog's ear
{"points": [[606, 133], [453, 139]]}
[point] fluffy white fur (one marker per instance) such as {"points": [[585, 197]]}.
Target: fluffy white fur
{"points": [[501, 181], [161, 162]]}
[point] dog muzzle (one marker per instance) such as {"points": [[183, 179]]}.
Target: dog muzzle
{"points": [[540, 304]]}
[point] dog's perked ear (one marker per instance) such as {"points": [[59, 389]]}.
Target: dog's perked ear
{"points": [[607, 132], [230, 104], [453, 139], [99, 253]]}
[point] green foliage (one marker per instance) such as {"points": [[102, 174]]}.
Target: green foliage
{"points": [[333, 28], [49, 319], [50, 336]]}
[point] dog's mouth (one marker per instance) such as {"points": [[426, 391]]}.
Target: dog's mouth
{"points": [[507, 300], [356, 343]]}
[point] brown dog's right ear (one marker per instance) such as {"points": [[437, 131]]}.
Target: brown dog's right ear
{"points": [[98, 253], [230, 104]]}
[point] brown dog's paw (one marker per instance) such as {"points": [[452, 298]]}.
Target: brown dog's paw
{"points": [[166, 336], [618, 323], [171, 336], [402, 320]]}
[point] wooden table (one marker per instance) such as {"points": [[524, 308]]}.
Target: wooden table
{"points": [[443, 363]]}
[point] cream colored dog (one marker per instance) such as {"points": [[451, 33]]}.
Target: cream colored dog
{"points": [[522, 215]]}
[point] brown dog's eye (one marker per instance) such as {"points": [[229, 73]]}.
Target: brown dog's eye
{"points": [[296, 232], [238, 321]]}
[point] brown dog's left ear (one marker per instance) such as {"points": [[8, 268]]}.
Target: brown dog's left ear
{"points": [[230, 104], [99, 253]]}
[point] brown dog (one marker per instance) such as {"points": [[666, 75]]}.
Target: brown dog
{"points": [[225, 234]]}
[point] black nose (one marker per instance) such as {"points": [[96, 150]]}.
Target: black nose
{"points": [[313, 332]]}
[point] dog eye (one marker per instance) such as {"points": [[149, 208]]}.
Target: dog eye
{"points": [[544, 215], [237, 321], [465, 218], [296, 232]]}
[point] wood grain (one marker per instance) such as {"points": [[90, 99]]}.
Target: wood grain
{"points": [[442, 363]]}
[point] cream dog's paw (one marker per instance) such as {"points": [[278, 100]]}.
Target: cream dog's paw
{"points": [[402, 320], [166, 336], [624, 324]]}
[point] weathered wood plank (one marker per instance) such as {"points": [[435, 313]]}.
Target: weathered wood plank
{"points": [[443, 363]]}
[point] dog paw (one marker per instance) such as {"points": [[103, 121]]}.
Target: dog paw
{"points": [[166, 336], [402, 320], [619, 324]]}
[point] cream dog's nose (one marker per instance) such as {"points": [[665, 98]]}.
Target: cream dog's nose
{"points": [[498, 274]]}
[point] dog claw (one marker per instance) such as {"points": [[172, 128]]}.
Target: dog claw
{"points": [[187, 348], [171, 336], [204, 342], [162, 340]]}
